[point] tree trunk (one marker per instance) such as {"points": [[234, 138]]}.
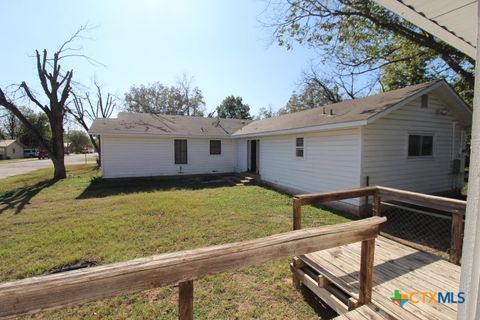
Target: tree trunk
{"points": [[59, 168], [96, 146], [58, 149]]}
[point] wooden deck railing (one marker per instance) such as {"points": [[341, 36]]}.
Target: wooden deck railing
{"points": [[81, 286], [379, 194]]}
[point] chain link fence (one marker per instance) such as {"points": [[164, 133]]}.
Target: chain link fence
{"points": [[423, 228]]}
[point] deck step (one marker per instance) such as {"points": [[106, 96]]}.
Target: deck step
{"points": [[368, 311]]}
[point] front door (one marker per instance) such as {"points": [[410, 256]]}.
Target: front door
{"points": [[253, 155]]}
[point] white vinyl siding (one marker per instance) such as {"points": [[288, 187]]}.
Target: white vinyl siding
{"points": [[385, 154], [330, 161], [241, 162], [13, 151], [154, 156]]}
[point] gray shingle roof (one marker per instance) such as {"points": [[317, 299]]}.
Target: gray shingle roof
{"points": [[342, 112], [351, 112], [168, 125]]}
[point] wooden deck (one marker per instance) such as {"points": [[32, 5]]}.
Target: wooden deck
{"points": [[397, 267]]}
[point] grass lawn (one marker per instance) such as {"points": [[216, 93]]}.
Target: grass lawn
{"points": [[17, 160], [44, 225]]}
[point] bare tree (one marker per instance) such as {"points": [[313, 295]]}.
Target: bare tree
{"points": [[56, 86], [192, 97], [96, 107]]}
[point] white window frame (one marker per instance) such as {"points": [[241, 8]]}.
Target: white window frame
{"points": [[297, 147]]}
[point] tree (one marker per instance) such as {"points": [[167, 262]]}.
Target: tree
{"points": [[77, 139], [39, 121], [316, 92], [99, 106], [233, 108], [10, 125], [364, 39], [193, 103], [266, 112], [56, 86], [182, 99]]}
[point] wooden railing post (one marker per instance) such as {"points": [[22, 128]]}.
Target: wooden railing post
{"points": [[185, 300], [366, 272], [377, 204], [297, 214], [456, 237]]}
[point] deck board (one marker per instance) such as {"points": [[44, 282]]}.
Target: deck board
{"points": [[397, 267]]}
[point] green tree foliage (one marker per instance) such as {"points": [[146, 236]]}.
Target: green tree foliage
{"points": [[77, 139], [181, 99], [314, 93], [40, 122], [15, 129], [233, 108], [361, 38]]}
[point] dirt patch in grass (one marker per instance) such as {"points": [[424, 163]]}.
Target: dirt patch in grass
{"points": [[81, 264]]}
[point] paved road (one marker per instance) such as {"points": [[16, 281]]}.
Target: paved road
{"points": [[28, 165]]}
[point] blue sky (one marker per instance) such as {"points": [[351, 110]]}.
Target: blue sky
{"points": [[218, 42]]}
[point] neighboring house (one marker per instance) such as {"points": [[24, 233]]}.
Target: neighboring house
{"points": [[412, 138], [11, 149]]}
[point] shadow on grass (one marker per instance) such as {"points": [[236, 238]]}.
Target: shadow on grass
{"points": [[100, 188], [17, 199]]}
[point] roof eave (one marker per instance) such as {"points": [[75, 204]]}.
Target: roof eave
{"points": [[410, 14], [324, 127], [152, 135]]}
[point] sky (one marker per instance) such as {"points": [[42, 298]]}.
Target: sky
{"points": [[220, 43]]}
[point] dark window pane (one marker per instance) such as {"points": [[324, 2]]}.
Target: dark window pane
{"points": [[413, 145], [299, 142], [215, 147], [299, 152], [425, 101], [180, 151], [427, 145]]}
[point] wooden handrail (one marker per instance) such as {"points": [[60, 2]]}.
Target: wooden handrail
{"points": [[335, 196], [421, 199], [455, 207], [81, 286]]}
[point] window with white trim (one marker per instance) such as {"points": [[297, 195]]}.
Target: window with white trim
{"points": [[420, 145], [299, 147]]}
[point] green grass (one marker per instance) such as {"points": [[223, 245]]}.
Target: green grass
{"points": [[44, 225], [17, 160]]}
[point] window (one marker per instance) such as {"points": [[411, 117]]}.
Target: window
{"points": [[425, 101], [215, 147], [299, 145], [180, 151], [13, 150], [420, 146]]}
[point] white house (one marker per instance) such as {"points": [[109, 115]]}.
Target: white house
{"points": [[11, 149], [412, 138]]}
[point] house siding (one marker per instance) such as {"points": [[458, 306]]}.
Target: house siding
{"points": [[7, 152], [124, 156], [385, 143], [241, 155], [331, 162]]}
